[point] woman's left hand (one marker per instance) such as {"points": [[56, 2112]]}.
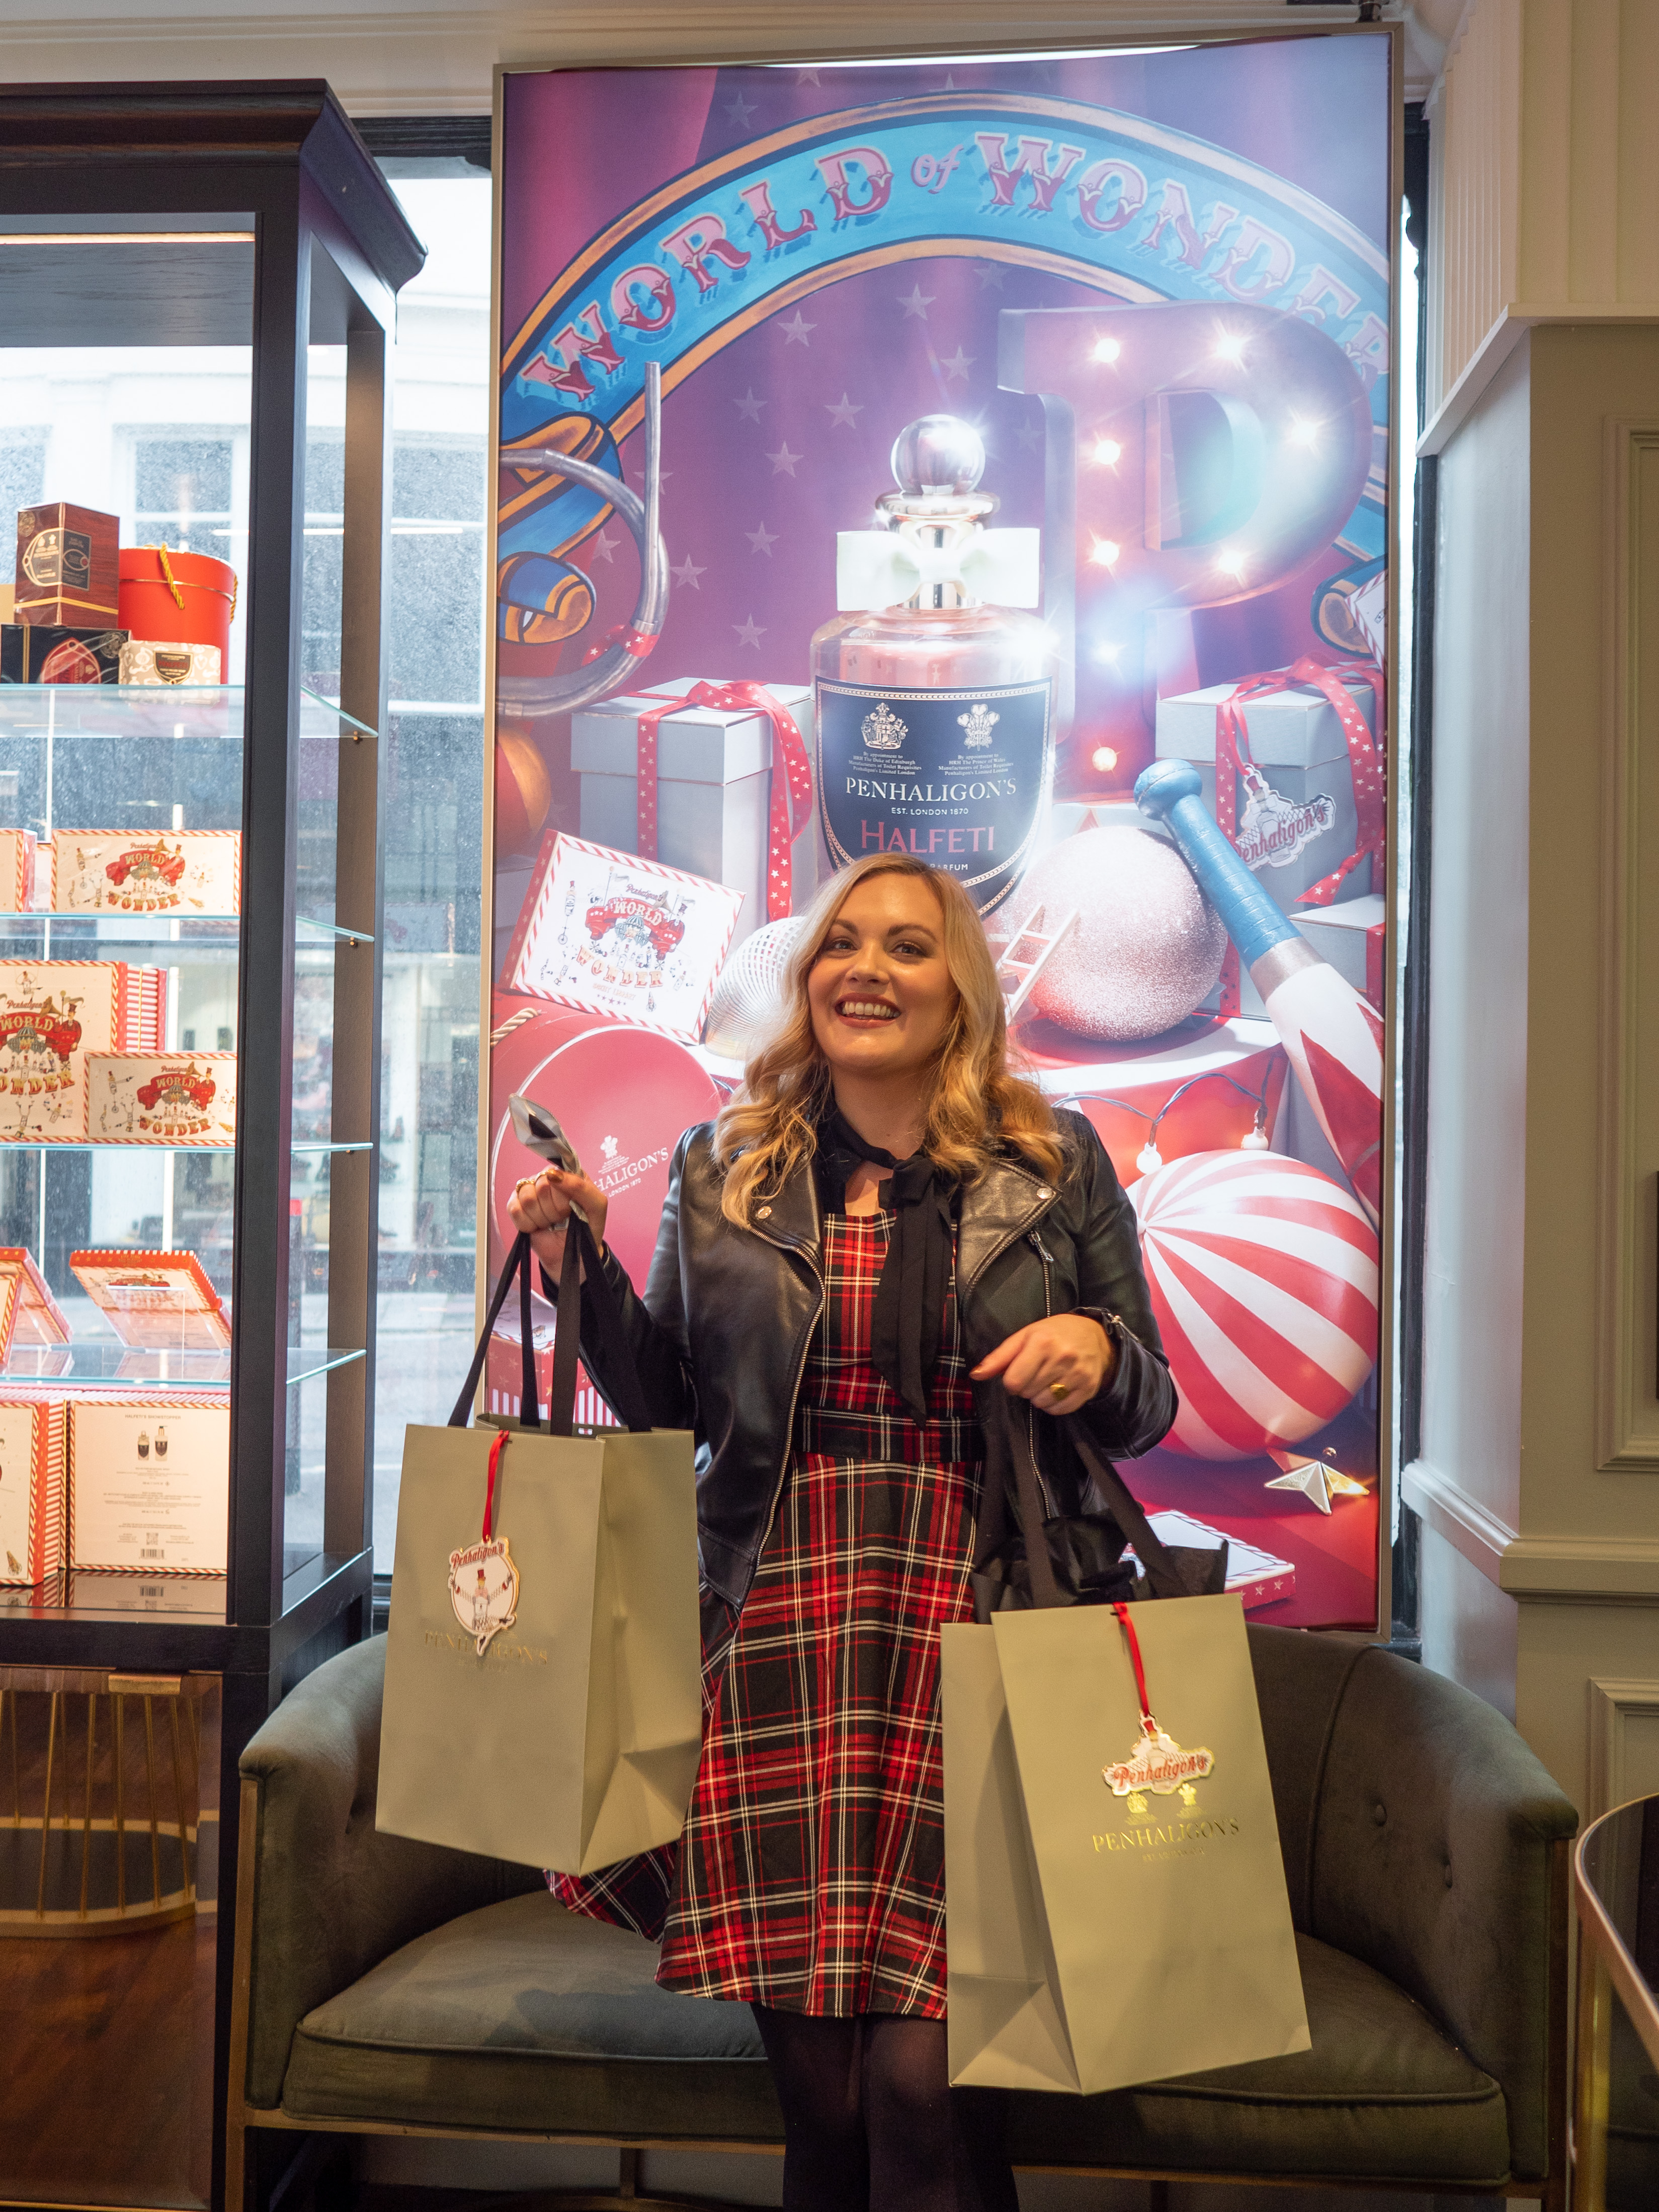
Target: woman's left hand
{"points": [[1058, 1364]]}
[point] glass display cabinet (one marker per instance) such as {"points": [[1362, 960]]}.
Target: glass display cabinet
{"points": [[190, 927]]}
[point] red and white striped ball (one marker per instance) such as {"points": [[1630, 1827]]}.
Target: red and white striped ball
{"points": [[1263, 1275]]}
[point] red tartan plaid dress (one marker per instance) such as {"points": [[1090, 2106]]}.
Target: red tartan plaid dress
{"points": [[811, 1871]]}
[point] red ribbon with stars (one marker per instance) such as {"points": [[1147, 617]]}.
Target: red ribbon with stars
{"points": [[1365, 767], [792, 791]]}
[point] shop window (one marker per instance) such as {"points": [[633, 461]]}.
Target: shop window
{"points": [[182, 493], [22, 468]]}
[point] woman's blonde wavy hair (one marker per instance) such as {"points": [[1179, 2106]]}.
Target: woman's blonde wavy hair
{"points": [[975, 1102]]}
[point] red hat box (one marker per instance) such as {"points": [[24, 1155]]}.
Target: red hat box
{"points": [[184, 598], [623, 1096]]}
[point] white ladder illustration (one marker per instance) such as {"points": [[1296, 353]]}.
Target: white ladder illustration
{"points": [[1023, 972]]}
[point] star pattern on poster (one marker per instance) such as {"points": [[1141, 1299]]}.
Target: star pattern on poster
{"points": [[688, 573], [807, 76], [990, 274], [604, 546], [749, 407], [761, 540], [750, 632], [739, 110], [917, 302], [958, 363], [794, 331], [783, 461], [1028, 436], [842, 411]]}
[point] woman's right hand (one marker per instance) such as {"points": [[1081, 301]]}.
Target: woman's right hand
{"points": [[541, 1204]]}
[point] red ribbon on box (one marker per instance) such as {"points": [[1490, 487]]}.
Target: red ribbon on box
{"points": [[1233, 761], [792, 792]]}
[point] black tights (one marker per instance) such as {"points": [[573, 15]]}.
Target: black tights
{"points": [[871, 2123]]}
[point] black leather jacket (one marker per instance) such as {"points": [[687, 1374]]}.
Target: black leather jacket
{"points": [[721, 1335]]}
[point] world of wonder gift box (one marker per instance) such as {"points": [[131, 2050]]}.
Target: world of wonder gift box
{"points": [[149, 1483], [161, 1097], [52, 1014], [182, 871], [157, 1301], [31, 1490]]}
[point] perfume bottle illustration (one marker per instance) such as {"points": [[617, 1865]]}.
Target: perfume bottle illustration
{"points": [[143, 1443], [160, 1442], [934, 689]]}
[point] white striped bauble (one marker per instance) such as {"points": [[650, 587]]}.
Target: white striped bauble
{"points": [[1263, 1275]]}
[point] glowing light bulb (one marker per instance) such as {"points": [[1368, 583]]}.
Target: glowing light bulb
{"points": [[1303, 432], [1231, 345], [1255, 1140], [1230, 561], [1149, 1158], [1106, 348], [1108, 452], [1104, 760], [1109, 653], [1105, 552]]}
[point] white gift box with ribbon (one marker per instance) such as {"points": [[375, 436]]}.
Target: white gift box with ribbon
{"points": [[715, 770]]}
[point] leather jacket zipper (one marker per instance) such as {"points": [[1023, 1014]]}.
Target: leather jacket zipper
{"points": [[1047, 1259], [780, 1244]]}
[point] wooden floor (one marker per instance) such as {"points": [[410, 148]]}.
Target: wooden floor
{"points": [[106, 2089]]}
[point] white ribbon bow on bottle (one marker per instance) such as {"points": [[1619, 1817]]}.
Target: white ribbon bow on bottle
{"points": [[885, 567]]}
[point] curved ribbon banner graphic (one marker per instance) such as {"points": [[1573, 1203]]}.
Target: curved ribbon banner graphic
{"points": [[1126, 207]]}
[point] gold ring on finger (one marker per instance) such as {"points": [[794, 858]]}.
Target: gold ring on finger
{"points": [[1059, 1389]]}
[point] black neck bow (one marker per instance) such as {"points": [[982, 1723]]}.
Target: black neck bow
{"points": [[908, 1319]]}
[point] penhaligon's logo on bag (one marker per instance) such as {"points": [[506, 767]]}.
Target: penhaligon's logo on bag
{"points": [[484, 1589], [1158, 1763]]}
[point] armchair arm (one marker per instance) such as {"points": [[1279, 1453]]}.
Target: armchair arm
{"points": [[332, 1897], [1437, 1847]]}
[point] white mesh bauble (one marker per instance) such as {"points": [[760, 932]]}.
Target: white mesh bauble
{"points": [[751, 992]]}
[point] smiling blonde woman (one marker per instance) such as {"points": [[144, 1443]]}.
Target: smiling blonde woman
{"points": [[886, 1232]]}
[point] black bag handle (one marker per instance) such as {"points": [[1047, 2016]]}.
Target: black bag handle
{"points": [[585, 1294], [1162, 1569]]}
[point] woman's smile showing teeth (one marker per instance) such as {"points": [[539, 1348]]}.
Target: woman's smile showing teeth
{"points": [[866, 1009]]}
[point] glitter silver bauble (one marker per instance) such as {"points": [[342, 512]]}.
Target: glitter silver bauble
{"points": [[1146, 947], [752, 994], [937, 453]]}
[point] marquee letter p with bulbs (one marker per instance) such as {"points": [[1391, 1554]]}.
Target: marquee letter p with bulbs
{"points": [[1198, 453]]}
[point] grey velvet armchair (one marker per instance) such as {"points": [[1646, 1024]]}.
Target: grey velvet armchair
{"points": [[385, 1986]]}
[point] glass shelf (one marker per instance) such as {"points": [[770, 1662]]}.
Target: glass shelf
{"points": [[99, 1363], [198, 933], [13, 1144], [213, 712]]}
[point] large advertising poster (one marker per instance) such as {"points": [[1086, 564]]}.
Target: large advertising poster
{"points": [[1017, 434]]}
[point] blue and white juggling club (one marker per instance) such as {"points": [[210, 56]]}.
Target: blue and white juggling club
{"points": [[1331, 1035]]}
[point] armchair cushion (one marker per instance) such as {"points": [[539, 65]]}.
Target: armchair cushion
{"points": [[1382, 2093], [525, 2016]]}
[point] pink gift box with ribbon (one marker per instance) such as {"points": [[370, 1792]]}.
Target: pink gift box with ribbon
{"points": [[711, 777]]}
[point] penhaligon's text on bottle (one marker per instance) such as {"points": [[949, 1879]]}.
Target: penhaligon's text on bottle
{"points": [[935, 691]]}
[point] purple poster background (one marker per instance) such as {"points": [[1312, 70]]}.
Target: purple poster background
{"points": [[778, 440]]}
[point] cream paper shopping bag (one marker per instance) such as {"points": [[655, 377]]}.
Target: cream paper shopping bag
{"points": [[1117, 1910], [542, 1684]]}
